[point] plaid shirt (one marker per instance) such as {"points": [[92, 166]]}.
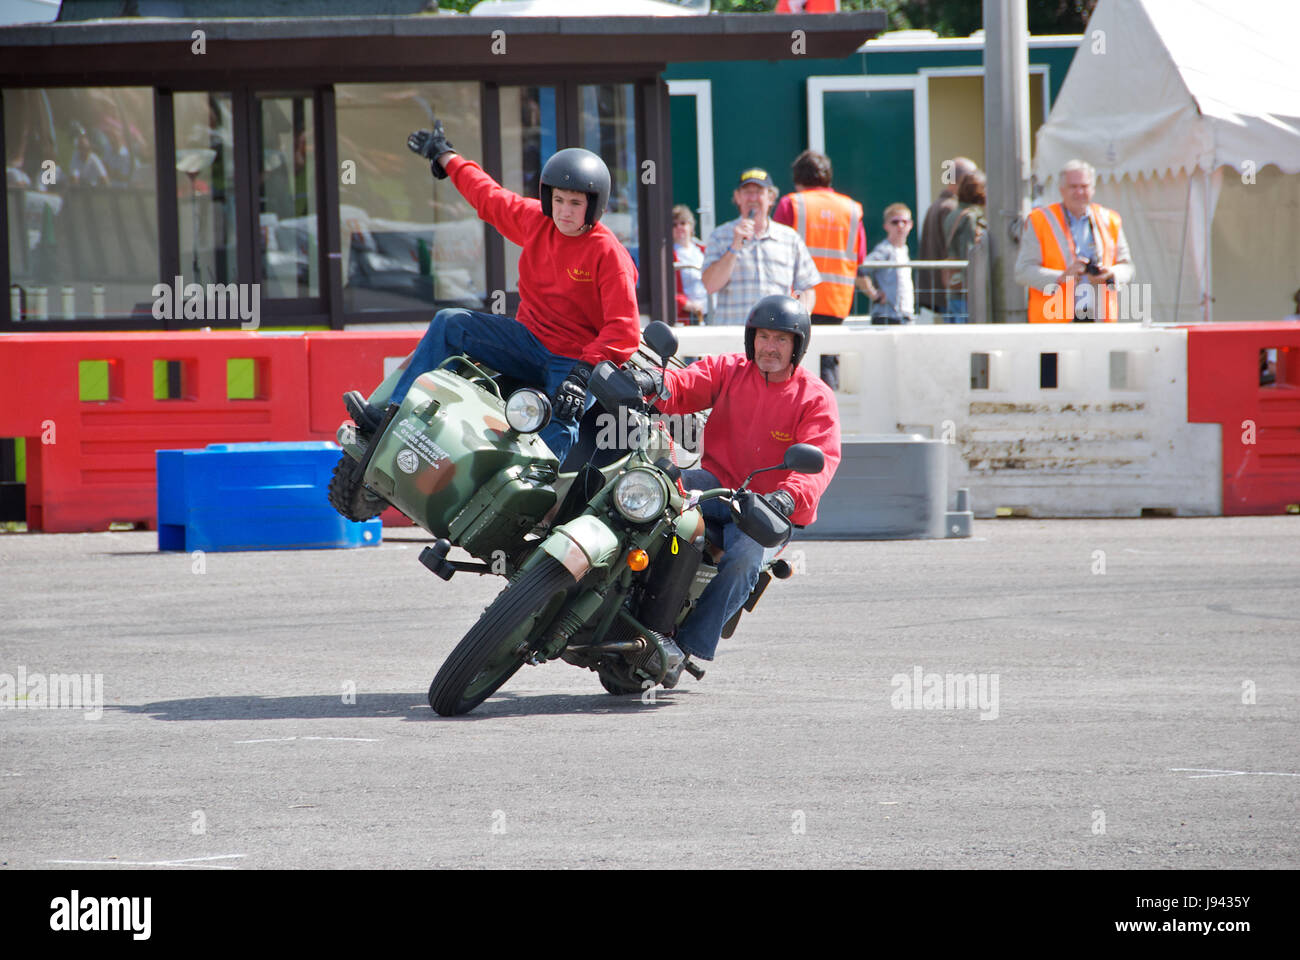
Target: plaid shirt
{"points": [[775, 262]]}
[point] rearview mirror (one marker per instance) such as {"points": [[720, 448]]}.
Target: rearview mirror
{"points": [[804, 458], [660, 338]]}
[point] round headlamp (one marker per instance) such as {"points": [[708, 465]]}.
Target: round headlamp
{"points": [[640, 495], [528, 410]]}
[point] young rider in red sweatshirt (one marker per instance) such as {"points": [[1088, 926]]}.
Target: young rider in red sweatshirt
{"points": [[577, 287]]}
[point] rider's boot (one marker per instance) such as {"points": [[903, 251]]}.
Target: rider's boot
{"points": [[365, 415]]}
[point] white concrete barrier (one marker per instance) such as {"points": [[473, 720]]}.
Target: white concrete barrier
{"points": [[1110, 439]]}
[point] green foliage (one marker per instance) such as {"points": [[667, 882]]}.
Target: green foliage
{"points": [[948, 18], [743, 6]]}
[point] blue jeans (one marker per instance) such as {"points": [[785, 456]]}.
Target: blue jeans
{"points": [[505, 345], [738, 570], [957, 312]]}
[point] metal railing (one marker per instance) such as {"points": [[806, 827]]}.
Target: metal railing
{"points": [[933, 299]]}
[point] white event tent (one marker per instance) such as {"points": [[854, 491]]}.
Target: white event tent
{"points": [[1190, 111]]}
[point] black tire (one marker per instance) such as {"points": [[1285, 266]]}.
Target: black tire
{"points": [[499, 643], [349, 496], [615, 684]]}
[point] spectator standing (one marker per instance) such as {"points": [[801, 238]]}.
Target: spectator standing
{"points": [[1073, 253], [962, 228], [890, 289], [87, 168], [751, 257], [830, 225], [688, 260], [933, 245]]}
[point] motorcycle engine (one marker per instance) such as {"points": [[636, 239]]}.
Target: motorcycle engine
{"points": [[645, 659]]}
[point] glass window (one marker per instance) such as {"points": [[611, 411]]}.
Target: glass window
{"points": [[82, 205], [205, 187], [608, 125], [528, 139], [286, 185], [409, 241]]}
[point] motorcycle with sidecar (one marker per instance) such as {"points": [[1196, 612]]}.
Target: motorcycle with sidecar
{"points": [[605, 555]]}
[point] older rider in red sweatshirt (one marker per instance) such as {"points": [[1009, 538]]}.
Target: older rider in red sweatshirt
{"points": [[763, 402], [577, 287]]}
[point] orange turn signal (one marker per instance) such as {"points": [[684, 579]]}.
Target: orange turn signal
{"points": [[638, 560]]}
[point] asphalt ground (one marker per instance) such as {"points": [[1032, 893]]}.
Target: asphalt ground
{"points": [[1140, 684]]}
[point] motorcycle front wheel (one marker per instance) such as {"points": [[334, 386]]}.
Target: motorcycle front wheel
{"points": [[500, 642]]}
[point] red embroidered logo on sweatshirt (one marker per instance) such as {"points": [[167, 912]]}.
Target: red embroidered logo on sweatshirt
{"points": [[579, 275]]}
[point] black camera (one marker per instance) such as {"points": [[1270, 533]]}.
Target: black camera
{"points": [[1090, 268]]}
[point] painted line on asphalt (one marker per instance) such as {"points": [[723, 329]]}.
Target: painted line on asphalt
{"points": [[190, 862], [1202, 772], [287, 739]]}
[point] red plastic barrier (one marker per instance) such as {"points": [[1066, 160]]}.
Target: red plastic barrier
{"points": [[90, 463], [1260, 423], [99, 467], [339, 361]]}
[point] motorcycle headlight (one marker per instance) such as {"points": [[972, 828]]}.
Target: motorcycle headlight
{"points": [[528, 410], [640, 495]]}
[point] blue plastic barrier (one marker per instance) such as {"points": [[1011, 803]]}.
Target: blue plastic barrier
{"points": [[253, 496]]}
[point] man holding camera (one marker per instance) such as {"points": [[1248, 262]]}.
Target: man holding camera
{"points": [[1073, 254]]}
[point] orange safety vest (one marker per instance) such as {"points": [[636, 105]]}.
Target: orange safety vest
{"points": [[1054, 240], [827, 223]]}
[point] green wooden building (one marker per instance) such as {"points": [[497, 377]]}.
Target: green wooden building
{"points": [[888, 116]]}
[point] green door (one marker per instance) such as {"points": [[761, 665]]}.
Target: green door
{"points": [[871, 142], [686, 156]]}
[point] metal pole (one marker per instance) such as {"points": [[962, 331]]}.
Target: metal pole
{"points": [[1006, 149]]}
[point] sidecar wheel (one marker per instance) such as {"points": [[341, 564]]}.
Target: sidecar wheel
{"points": [[499, 643], [349, 496]]}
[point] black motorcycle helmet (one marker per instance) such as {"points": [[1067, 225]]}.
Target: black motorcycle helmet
{"points": [[779, 312], [581, 170]]}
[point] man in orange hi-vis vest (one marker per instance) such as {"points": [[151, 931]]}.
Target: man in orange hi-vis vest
{"points": [[1073, 254], [830, 225]]}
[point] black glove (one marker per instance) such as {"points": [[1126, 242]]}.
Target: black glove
{"points": [[649, 382], [431, 145], [571, 398], [781, 502]]}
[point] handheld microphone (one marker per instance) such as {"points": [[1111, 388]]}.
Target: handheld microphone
{"points": [[751, 215]]}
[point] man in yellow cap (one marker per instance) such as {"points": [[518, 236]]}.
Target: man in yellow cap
{"points": [[752, 257]]}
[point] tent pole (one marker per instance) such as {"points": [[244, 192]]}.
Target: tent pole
{"points": [[1182, 253], [1208, 314]]}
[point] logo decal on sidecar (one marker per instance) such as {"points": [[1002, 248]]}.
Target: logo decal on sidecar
{"points": [[418, 445], [407, 460]]}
